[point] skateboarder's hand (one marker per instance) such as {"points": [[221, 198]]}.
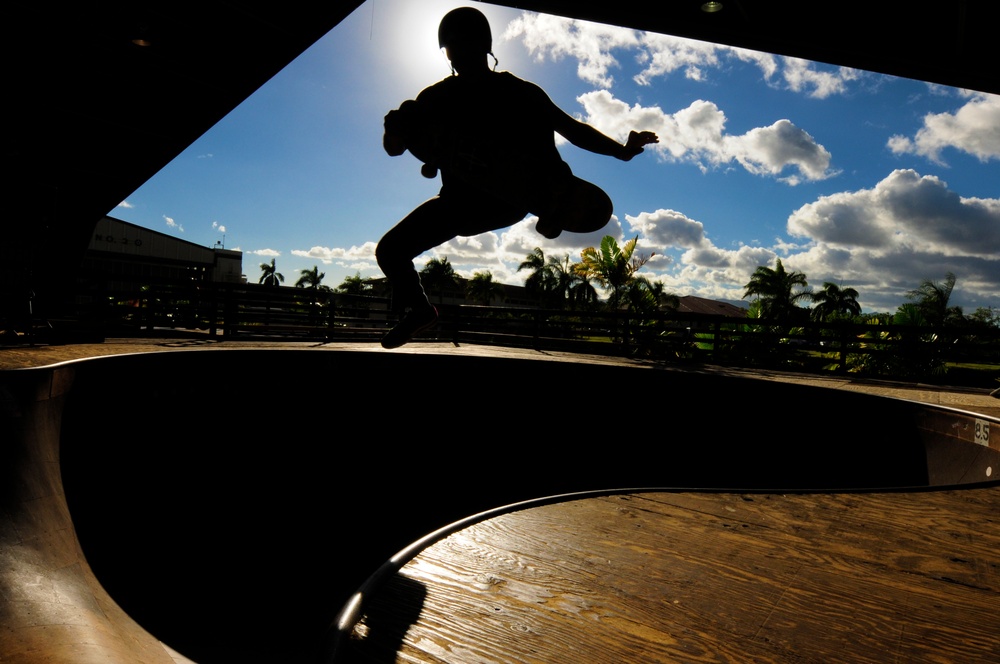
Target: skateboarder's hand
{"points": [[636, 141]]}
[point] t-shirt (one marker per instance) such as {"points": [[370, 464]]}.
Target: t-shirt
{"points": [[496, 132]]}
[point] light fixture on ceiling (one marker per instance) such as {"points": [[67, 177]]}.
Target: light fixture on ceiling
{"points": [[140, 35], [711, 7]]}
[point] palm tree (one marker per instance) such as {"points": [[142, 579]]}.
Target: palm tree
{"points": [[910, 314], [775, 288], [916, 353], [985, 317], [563, 278], [932, 300], [482, 289], [355, 285], [832, 300], [582, 291], [646, 295], [612, 266], [438, 275], [355, 288], [270, 275], [311, 279], [540, 279]]}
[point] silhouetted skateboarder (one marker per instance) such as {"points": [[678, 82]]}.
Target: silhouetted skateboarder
{"points": [[491, 135]]}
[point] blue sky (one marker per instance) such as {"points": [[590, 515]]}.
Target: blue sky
{"points": [[861, 179]]}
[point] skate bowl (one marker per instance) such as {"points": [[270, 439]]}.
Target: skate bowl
{"points": [[229, 502]]}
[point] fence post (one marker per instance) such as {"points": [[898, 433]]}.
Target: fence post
{"points": [[457, 320], [329, 315], [213, 311], [842, 337], [149, 309], [229, 306]]}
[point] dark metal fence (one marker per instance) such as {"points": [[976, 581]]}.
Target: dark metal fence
{"points": [[252, 311], [872, 349]]}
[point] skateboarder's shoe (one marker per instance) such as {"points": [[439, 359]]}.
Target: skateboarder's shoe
{"points": [[415, 321]]}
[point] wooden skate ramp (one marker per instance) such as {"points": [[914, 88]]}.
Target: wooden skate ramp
{"points": [[701, 577], [230, 502]]}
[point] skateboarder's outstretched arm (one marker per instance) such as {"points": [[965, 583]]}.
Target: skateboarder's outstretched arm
{"points": [[586, 137]]}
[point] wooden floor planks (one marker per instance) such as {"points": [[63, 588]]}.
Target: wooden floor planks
{"points": [[705, 577]]}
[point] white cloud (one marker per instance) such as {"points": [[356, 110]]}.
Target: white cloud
{"points": [[662, 55], [884, 241], [690, 262], [126, 205], [669, 228], [767, 63], [974, 129], [769, 150], [592, 45], [363, 255], [269, 253], [696, 134], [589, 43], [173, 224], [218, 227], [905, 210], [803, 76], [906, 229]]}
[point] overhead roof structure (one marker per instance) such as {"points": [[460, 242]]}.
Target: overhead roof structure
{"points": [[100, 96]]}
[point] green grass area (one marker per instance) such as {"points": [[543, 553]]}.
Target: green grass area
{"points": [[970, 374]]}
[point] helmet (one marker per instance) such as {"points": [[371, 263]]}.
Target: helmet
{"points": [[466, 26]]}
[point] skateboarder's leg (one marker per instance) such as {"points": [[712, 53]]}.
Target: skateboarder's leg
{"points": [[424, 228], [434, 222], [453, 213]]}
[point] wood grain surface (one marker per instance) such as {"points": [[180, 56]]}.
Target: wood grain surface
{"points": [[704, 577]]}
